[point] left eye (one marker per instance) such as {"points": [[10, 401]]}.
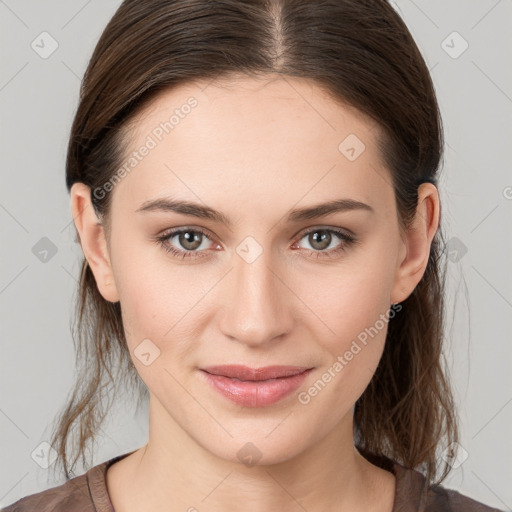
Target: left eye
{"points": [[321, 238], [192, 241]]}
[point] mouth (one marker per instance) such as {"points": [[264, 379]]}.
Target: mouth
{"points": [[245, 373], [255, 387]]}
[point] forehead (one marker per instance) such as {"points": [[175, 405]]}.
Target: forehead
{"points": [[278, 138]]}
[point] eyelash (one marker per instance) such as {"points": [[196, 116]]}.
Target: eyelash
{"points": [[163, 240]]}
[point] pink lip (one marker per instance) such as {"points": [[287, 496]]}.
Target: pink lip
{"points": [[255, 387]]}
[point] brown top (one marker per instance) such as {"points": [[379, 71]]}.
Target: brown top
{"points": [[88, 493]]}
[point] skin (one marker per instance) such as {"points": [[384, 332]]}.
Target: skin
{"points": [[253, 149]]}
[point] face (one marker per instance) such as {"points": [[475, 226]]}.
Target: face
{"points": [[262, 282]]}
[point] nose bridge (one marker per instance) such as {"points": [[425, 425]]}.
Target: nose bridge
{"points": [[256, 309]]}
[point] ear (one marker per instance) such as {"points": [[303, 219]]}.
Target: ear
{"points": [[92, 238], [415, 250]]}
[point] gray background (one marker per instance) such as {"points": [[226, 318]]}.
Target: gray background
{"points": [[38, 97]]}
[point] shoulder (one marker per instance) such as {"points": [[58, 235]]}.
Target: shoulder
{"points": [[440, 499], [84, 493], [413, 493], [70, 496]]}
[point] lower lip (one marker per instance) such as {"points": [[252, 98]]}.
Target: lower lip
{"points": [[256, 393]]}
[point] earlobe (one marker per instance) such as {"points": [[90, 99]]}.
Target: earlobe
{"points": [[91, 235], [418, 241]]}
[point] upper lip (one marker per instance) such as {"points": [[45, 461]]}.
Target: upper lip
{"points": [[242, 372]]}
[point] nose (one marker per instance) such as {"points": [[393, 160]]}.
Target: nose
{"points": [[258, 305]]}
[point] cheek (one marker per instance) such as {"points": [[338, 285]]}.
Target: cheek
{"points": [[353, 352], [351, 315], [149, 295], [152, 330], [347, 300], [153, 310], [160, 305]]}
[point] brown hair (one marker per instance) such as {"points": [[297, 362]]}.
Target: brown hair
{"points": [[361, 53]]}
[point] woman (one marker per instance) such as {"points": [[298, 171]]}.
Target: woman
{"points": [[253, 185]]}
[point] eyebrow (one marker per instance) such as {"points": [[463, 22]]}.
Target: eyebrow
{"points": [[296, 215]]}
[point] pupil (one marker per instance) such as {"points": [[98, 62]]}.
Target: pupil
{"points": [[325, 238], [192, 240]]}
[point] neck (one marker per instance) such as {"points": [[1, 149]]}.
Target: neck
{"points": [[173, 472]]}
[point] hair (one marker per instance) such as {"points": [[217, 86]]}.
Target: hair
{"points": [[362, 54]]}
